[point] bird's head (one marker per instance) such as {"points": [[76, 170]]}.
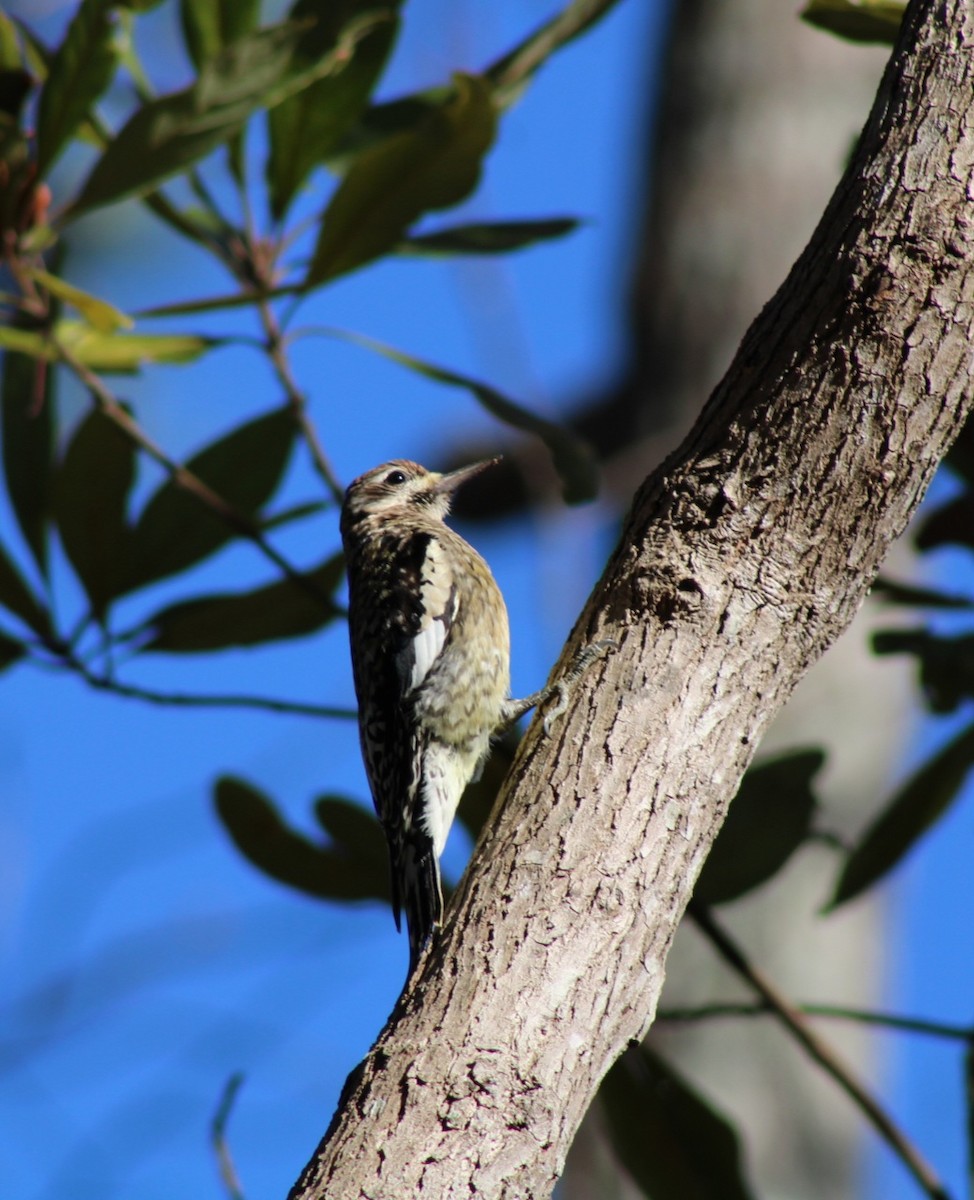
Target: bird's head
{"points": [[403, 489]]}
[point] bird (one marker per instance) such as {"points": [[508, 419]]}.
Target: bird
{"points": [[430, 649]]}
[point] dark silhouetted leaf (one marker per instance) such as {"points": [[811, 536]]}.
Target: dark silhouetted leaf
{"points": [[433, 165], [17, 598], [573, 459], [960, 456], [28, 395], [245, 467], [210, 25], [278, 611], [354, 833], [769, 819], [296, 512], [90, 494], [950, 525], [379, 122], [496, 237], [305, 130], [81, 69], [891, 592], [946, 663], [857, 20], [10, 651], [918, 805], [339, 872], [171, 133], [670, 1140], [15, 87]]}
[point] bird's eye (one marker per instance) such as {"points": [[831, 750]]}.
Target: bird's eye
{"points": [[396, 477]]}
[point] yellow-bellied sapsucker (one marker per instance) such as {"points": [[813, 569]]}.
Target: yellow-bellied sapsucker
{"points": [[431, 660]]}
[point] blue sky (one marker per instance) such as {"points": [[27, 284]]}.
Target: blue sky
{"points": [[144, 961]]}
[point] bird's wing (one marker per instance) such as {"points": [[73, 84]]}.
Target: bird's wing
{"points": [[431, 620]]}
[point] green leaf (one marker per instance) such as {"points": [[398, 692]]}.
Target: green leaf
{"points": [[99, 314], [950, 525], [210, 25], [496, 237], [296, 512], [125, 353], [306, 129], [857, 20], [175, 530], [573, 460], [946, 663], [90, 494], [771, 816], [122, 353], [673, 1143], [10, 56], [918, 805], [345, 870], [171, 133], [278, 611], [81, 69], [390, 185], [28, 446]]}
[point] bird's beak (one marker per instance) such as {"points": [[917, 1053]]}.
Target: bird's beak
{"points": [[448, 484]]}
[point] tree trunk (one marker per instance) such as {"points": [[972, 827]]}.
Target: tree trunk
{"points": [[742, 560]]}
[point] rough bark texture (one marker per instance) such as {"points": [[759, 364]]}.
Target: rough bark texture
{"points": [[743, 558]]}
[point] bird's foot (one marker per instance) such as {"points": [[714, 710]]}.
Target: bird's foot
{"points": [[562, 687]]}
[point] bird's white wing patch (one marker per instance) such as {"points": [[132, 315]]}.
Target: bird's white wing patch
{"points": [[425, 648], [440, 604]]}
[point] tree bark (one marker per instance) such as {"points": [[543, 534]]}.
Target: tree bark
{"points": [[742, 560]]}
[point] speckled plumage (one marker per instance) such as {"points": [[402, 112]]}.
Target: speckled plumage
{"points": [[431, 661]]}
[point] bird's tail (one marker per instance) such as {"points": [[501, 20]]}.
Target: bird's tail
{"points": [[420, 894]]}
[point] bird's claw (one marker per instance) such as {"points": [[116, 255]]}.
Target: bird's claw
{"points": [[580, 664]]}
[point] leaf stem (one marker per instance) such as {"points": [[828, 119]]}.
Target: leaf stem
{"points": [[838, 1012], [509, 72], [277, 353], [107, 683]]}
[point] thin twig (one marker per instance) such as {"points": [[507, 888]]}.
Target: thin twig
{"points": [[184, 478], [218, 1136], [514, 68], [709, 1012], [106, 683], [797, 1024], [276, 352]]}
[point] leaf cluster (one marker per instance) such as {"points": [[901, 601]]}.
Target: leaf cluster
{"points": [[373, 172], [311, 78]]}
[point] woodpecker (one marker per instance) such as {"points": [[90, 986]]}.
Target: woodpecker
{"points": [[431, 661]]}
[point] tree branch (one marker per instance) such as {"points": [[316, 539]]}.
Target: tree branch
{"points": [[794, 1020], [743, 558]]}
